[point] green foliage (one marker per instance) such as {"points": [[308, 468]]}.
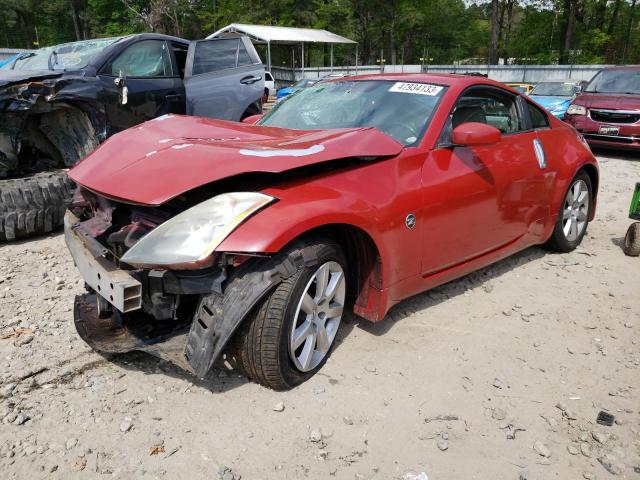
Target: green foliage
{"points": [[445, 31]]}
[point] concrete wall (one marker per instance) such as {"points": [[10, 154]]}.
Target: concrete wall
{"points": [[502, 73]]}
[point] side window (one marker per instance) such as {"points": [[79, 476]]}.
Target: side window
{"points": [[148, 58], [268, 77], [213, 55], [488, 106], [538, 117]]}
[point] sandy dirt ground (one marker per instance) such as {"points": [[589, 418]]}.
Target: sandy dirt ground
{"points": [[499, 375]]}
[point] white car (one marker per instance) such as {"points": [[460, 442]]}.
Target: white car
{"points": [[269, 84]]}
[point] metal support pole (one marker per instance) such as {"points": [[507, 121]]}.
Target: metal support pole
{"points": [[269, 55], [331, 57], [356, 58], [302, 60]]}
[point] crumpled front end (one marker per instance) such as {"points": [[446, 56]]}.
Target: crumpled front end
{"points": [[48, 123], [162, 311]]}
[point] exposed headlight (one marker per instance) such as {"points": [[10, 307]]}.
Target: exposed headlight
{"points": [[577, 110], [192, 236]]}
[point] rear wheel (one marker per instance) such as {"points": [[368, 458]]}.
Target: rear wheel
{"points": [[33, 205], [632, 240], [289, 336], [573, 217]]}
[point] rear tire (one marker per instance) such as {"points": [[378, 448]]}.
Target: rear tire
{"points": [[573, 217], [33, 205], [262, 346], [632, 240]]}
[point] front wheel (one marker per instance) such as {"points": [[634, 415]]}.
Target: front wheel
{"points": [[289, 336], [573, 217]]}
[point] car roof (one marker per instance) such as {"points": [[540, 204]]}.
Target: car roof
{"points": [[156, 36]]}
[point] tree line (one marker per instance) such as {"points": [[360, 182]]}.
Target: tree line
{"points": [[387, 31]]}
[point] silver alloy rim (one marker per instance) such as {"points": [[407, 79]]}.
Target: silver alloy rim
{"points": [[317, 317], [576, 211]]}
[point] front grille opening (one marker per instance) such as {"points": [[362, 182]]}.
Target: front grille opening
{"points": [[614, 117]]}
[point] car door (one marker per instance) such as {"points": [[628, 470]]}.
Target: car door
{"points": [[224, 77], [141, 82], [481, 198]]}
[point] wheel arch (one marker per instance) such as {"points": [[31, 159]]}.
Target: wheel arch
{"points": [[592, 171], [254, 108], [594, 176], [366, 256], [364, 265]]}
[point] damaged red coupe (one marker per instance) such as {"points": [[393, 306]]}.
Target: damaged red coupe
{"points": [[202, 238]]}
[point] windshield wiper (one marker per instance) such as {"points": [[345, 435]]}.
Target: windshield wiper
{"points": [[21, 56], [50, 64]]}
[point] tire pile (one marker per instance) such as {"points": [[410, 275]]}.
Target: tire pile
{"points": [[33, 205]]}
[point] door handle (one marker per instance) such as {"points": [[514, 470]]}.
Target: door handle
{"points": [[250, 80]]}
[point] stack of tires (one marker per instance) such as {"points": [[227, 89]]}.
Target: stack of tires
{"points": [[33, 205]]}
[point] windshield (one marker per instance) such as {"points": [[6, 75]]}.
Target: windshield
{"points": [[554, 89], [402, 110], [615, 81], [60, 57]]}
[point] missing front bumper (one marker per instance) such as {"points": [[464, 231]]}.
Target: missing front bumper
{"points": [[116, 286], [134, 332]]}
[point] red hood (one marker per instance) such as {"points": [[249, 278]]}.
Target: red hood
{"points": [[160, 159], [609, 101]]}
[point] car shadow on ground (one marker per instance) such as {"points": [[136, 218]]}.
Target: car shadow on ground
{"points": [[480, 278], [220, 379]]}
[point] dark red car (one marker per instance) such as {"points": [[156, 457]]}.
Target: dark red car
{"points": [[607, 112], [201, 237]]}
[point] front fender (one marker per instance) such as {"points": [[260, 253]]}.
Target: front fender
{"points": [[374, 197]]}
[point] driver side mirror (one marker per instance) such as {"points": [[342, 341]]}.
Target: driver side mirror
{"points": [[253, 119], [474, 134], [124, 91]]}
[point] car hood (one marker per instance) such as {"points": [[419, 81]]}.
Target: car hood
{"points": [[551, 102], [9, 77], [163, 158], [609, 101]]}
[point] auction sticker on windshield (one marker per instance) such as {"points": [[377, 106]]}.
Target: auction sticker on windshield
{"points": [[417, 88]]}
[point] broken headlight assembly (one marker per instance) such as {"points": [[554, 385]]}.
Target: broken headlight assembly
{"points": [[190, 237], [576, 109]]}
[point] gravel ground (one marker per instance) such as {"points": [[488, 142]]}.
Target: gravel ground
{"points": [[499, 375]]}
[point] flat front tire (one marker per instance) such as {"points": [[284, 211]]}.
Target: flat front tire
{"points": [[573, 217], [290, 335]]}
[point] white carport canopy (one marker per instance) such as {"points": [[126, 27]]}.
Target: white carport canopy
{"points": [[268, 34]]}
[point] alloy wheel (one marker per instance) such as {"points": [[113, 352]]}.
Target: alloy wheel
{"points": [[317, 316], [576, 210]]}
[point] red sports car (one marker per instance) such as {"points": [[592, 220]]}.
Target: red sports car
{"points": [[199, 238]]}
